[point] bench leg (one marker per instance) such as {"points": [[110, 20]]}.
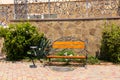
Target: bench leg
{"points": [[86, 63], [48, 62], [49, 59], [39, 59], [33, 66], [44, 63]]}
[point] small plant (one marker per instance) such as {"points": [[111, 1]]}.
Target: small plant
{"points": [[93, 60], [44, 46], [65, 52]]}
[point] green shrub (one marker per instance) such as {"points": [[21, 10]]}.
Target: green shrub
{"points": [[110, 48], [92, 60], [18, 39]]}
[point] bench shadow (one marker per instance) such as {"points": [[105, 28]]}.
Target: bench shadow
{"points": [[63, 66]]}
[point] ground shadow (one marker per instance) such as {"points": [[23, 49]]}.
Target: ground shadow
{"points": [[63, 66]]}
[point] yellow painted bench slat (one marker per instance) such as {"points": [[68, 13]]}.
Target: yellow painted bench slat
{"points": [[69, 44]]}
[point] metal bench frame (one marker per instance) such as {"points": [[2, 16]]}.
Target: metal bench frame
{"points": [[70, 43]]}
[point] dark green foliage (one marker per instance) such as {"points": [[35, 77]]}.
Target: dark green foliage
{"points": [[110, 48], [44, 46], [18, 39]]}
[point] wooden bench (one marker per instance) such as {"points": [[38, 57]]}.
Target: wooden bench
{"points": [[70, 44]]}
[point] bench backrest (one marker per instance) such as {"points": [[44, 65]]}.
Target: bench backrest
{"points": [[78, 46], [69, 44]]}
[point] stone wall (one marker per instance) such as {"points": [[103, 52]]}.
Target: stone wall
{"points": [[65, 9], [91, 30], [6, 13], [77, 9]]}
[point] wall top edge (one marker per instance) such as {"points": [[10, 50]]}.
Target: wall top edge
{"points": [[69, 19]]}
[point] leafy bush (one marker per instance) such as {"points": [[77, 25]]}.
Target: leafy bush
{"points": [[110, 48], [18, 39]]}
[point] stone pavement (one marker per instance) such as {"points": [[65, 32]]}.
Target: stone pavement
{"points": [[22, 71]]}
